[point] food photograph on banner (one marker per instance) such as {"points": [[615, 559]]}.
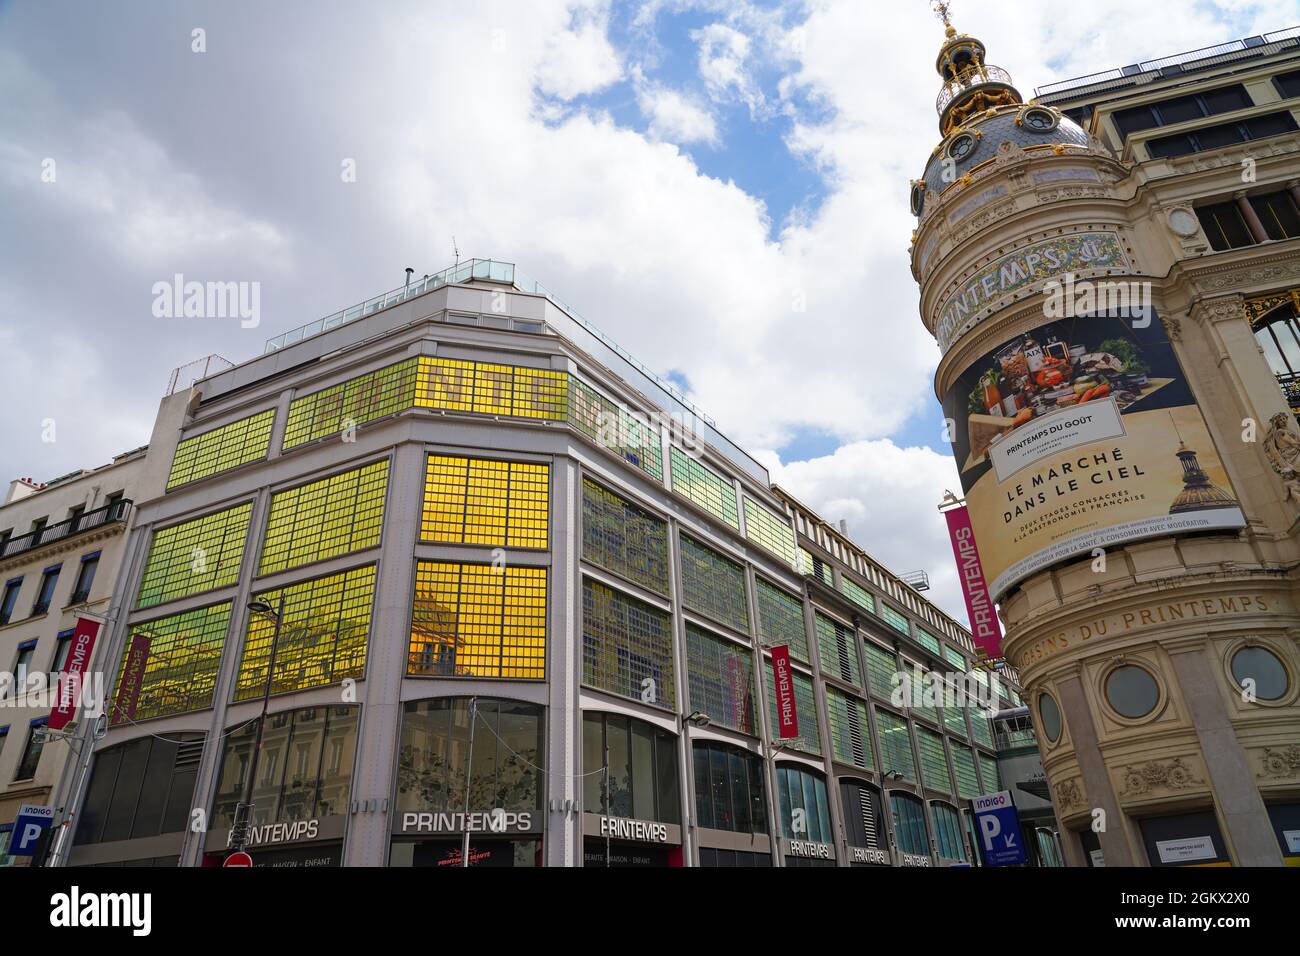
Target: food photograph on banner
{"points": [[1079, 434]]}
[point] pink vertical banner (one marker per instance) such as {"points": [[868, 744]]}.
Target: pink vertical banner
{"points": [[787, 716], [74, 673], [984, 623]]}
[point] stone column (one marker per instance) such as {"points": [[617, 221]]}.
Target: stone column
{"points": [[1240, 805], [1294, 187], [1252, 218]]}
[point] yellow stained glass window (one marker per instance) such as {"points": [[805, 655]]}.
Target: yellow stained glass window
{"points": [[323, 635], [771, 531], [486, 502], [446, 383], [541, 393], [611, 426], [357, 401], [700, 484], [494, 388], [476, 620], [221, 449], [195, 556], [170, 665], [324, 519]]}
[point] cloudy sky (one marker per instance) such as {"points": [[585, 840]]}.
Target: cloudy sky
{"points": [[720, 185]]}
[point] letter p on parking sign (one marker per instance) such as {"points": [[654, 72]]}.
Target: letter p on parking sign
{"points": [[998, 826]]}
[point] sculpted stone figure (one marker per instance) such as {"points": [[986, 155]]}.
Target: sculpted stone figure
{"points": [[1282, 446]]}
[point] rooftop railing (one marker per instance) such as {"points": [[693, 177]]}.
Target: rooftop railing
{"points": [[1178, 59], [977, 76], [78, 524]]}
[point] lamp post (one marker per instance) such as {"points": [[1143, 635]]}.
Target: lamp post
{"points": [[244, 812]]}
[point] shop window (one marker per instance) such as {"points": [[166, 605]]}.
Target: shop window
{"points": [[486, 502], [805, 812], [948, 832], [729, 793], [862, 815], [199, 555], [709, 856], [838, 649], [909, 824], [477, 620], [221, 449], [170, 665], [143, 788], [506, 769], [325, 519], [627, 646], [305, 771], [640, 780], [780, 619], [713, 585], [1285, 818], [810, 738], [704, 487], [621, 537], [1185, 839], [720, 679], [1049, 852]]}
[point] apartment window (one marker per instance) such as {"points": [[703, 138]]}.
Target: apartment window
{"points": [[170, 665], [623, 538], [720, 679], [780, 619], [10, 598], [837, 645], [947, 831], [704, 487], [199, 555], [221, 449], [809, 739], [140, 789], [895, 745], [729, 788], [486, 502], [85, 578], [74, 518], [306, 771], [771, 531], [23, 665], [799, 789], [909, 824], [614, 428], [324, 519], [713, 585], [62, 647], [32, 750], [1288, 84], [850, 732], [38, 526], [640, 781], [1182, 109], [1225, 134], [627, 646], [45, 595]]}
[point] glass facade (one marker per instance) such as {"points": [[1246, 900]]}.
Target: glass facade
{"points": [[486, 502], [611, 426], [478, 620], [623, 538], [928, 641], [810, 738], [947, 831], [805, 811], [895, 745], [325, 519], [895, 619], [850, 731], [704, 487], [170, 665], [934, 765], [720, 680], [858, 594], [729, 792], [770, 530], [504, 770], [989, 773], [780, 619], [713, 585], [881, 668], [221, 449], [837, 649], [963, 765], [195, 556], [323, 635], [627, 646], [640, 781], [142, 788], [909, 824], [359, 400], [304, 771]]}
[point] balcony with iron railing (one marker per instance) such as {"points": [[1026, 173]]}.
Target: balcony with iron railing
{"points": [[117, 511], [976, 76]]}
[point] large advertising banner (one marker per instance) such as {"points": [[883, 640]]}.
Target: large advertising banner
{"points": [[1082, 434], [984, 625]]}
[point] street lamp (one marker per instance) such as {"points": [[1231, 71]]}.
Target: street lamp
{"points": [[244, 812]]}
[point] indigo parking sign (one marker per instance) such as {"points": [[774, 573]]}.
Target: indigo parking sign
{"points": [[998, 825]]}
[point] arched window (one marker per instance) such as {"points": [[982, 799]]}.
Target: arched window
{"points": [[909, 823], [729, 788], [805, 811], [1277, 330], [947, 831], [642, 779], [862, 820]]}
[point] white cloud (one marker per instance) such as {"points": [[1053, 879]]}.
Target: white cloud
{"points": [[676, 118], [722, 54], [579, 61]]}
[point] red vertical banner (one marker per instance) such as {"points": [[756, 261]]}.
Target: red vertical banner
{"points": [[787, 716], [128, 690], [984, 624], [72, 677]]}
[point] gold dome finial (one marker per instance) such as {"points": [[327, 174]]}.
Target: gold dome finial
{"points": [[941, 10]]}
